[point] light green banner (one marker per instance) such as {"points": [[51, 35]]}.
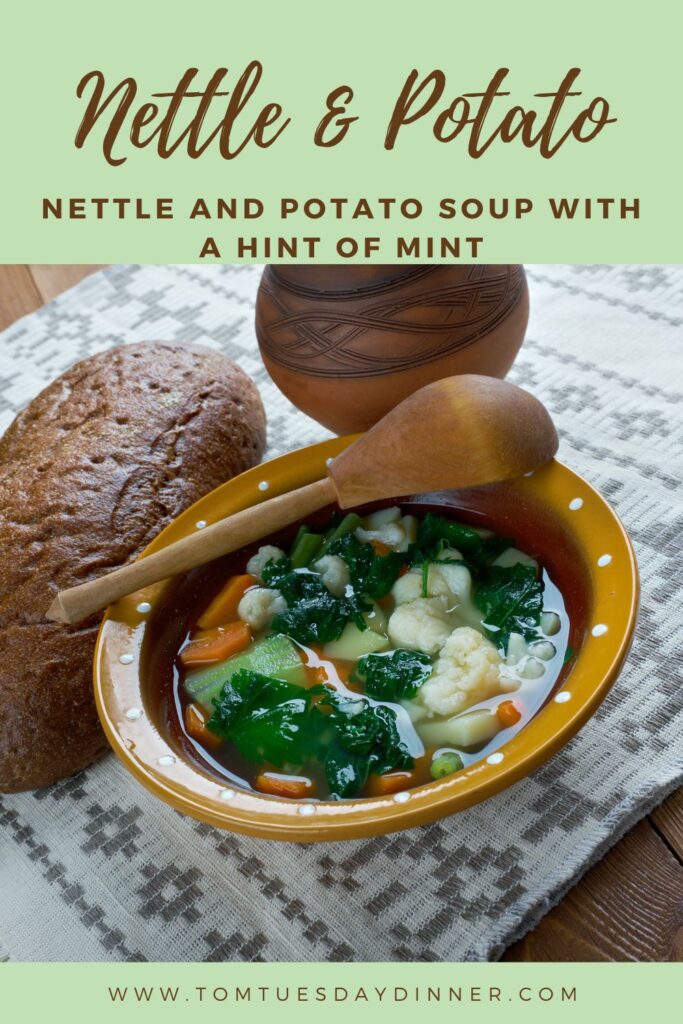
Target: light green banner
{"points": [[313, 992], [474, 74]]}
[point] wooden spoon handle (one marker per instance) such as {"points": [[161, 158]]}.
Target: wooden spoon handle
{"points": [[221, 538]]}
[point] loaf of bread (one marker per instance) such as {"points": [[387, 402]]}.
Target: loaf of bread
{"points": [[91, 470]]}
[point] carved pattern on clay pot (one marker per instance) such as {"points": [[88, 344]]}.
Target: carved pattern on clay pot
{"points": [[334, 333]]}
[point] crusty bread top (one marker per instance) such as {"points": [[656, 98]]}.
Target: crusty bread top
{"points": [[109, 453], [91, 470]]}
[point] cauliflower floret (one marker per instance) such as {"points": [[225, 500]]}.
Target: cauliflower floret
{"points": [[421, 625], [457, 578], [391, 534], [449, 555], [409, 524], [390, 527], [376, 520], [334, 573], [260, 605], [408, 587], [265, 554], [451, 581], [466, 672]]}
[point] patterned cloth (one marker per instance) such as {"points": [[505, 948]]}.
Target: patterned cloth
{"points": [[96, 869]]}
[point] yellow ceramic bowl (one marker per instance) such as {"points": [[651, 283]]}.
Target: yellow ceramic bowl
{"points": [[553, 513]]}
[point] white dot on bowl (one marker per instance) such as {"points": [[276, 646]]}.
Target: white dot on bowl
{"points": [[494, 758], [200, 524], [126, 659], [599, 630], [264, 485], [132, 714], [227, 794], [604, 560], [562, 697], [530, 473], [402, 797], [166, 760], [306, 810], [144, 607], [575, 504]]}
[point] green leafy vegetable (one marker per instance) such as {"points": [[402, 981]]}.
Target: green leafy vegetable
{"points": [[372, 575], [365, 738], [292, 584], [346, 773], [267, 719], [356, 553], [396, 676], [511, 600], [436, 533], [270, 720], [314, 615], [384, 572], [388, 752], [316, 619]]}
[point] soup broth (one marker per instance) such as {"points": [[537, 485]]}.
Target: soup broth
{"points": [[366, 655]]}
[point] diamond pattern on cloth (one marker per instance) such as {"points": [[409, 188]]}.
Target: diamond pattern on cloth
{"points": [[95, 868]]}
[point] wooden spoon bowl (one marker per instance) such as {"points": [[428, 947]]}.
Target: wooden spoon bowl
{"points": [[458, 432]]}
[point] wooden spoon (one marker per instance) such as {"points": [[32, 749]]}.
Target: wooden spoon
{"points": [[458, 432]]}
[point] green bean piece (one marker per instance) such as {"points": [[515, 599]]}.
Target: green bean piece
{"points": [[302, 531], [348, 524], [305, 549]]}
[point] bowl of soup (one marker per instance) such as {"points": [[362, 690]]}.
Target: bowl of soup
{"points": [[370, 669]]}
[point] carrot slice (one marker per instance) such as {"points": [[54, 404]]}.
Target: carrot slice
{"points": [[293, 786], [222, 644], [393, 782], [223, 608], [316, 675], [508, 713], [381, 548], [342, 668], [328, 670], [196, 721]]}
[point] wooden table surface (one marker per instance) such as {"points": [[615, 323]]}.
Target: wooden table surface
{"points": [[630, 905]]}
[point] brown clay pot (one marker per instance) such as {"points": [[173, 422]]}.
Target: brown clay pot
{"points": [[347, 343]]}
